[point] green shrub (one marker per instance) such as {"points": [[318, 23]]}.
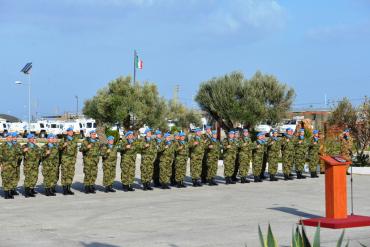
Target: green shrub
{"points": [[299, 238]]}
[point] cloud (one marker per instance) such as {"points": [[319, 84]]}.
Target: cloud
{"points": [[246, 15]]}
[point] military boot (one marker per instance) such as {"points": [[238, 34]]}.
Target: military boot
{"points": [[195, 184], [92, 189], [129, 188], [8, 195], [87, 190], [165, 186], [33, 191], [47, 192], [69, 191], [243, 180], [111, 189], [14, 192], [149, 187], [145, 186], [28, 193], [273, 178], [256, 179], [65, 190], [52, 193], [179, 184], [53, 189], [210, 182], [314, 175]]}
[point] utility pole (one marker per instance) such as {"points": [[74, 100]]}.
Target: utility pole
{"points": [[176, 94]]}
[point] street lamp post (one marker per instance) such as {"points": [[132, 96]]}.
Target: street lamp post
{"points": [[27, 71], [29, 99]]}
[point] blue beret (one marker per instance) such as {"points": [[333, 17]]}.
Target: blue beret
{"points": [[245, 130], [301, 130], [69, 129], [260, 134], [214, 131], [208, 127], [287, 129], [29, 136], [14, 134], [50, 136], [147, 130], [167, 134], [92, 131], [231, 132], [181, 134], [8, 134], [197, 130], [158, 132], [110, 138], [315, 131], [129, 133], [346, 130], [273, 131]]}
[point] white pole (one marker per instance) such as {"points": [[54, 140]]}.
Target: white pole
{"points": [[29, 103]]}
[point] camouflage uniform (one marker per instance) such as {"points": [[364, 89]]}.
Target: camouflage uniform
{"points": [[313, 154], [165, 169], [245, 156], [300, 154], [156, 163], [18, 173], [259, 152], [346, 145], [9, 156], [237, 159], [109, 158], [273, 150], [148, 155], [287, 153], [50, 161], [31, 164], [229, 156], [182, 154], [90, 160], [68, 156], [213, 155], [204, 172], [128, 159], [196, 146]]}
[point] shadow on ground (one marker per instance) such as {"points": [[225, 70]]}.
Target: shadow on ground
{"points": [[295, 211], [96, 244]]}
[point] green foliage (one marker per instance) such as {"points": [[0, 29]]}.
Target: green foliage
{"points": [[232, 99], [181, 115], [299, 238], [270, 239], [131, 105], [114, 133], [357, 119], [175, 129]]}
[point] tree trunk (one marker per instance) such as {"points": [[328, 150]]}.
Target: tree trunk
{"points": [[100, 131]]}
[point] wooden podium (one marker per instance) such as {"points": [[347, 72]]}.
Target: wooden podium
{"points": [[336, 197], [335, 187]]}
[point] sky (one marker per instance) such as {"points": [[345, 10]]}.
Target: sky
{"points": [[77, 46]]}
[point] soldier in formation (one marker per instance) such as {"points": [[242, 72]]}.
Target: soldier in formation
{"points": [[162, 159]]}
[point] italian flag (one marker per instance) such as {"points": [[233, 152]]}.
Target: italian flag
{"points": [[138, 62]]}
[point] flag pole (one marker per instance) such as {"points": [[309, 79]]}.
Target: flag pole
{"points": [[134, 66]]}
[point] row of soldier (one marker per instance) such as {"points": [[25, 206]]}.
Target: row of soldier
{"points": [[163, 159]]}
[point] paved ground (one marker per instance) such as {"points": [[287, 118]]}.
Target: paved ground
{"points": [[207, 216]]}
